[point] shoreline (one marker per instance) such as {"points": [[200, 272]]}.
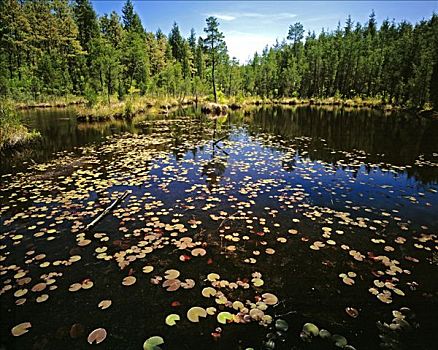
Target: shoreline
{"points": [[18, 137], [13, 134], [50, 103], [130, 108]]}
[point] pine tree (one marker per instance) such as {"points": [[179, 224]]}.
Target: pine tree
{"points": [[214, 43], [176, 43], [131, 20]]}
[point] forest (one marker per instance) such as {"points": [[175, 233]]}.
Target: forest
{"points": [[59, 48]]}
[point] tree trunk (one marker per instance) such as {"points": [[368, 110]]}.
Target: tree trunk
{"points": [[214, 86], [229, 86], [11, 66], [109, 85], [214, 83]]}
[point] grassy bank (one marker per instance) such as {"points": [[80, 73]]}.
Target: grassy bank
{"points": [[12, 132], [356, 102], [128, 108], [225, 103], [50, 101]]}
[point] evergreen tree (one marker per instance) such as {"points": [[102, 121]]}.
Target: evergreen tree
{"points": [[131, 20], [214, 43], [176, 43], [86, 21]]}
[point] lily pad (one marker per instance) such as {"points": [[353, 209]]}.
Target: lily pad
{"points": [[269, 299], [195, 312], [171, 319], [208, 292], [97, 336], [311, 329], [224, 316], [153, 343], [281, 325], [21, 329], [129, 281], [340, 341], [104, 304]]}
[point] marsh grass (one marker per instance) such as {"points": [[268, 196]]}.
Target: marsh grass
{"points": [[12, 132], [128, 108], [50, 101]]}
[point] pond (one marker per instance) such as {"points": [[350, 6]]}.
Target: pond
{"points": [[293, 219]]}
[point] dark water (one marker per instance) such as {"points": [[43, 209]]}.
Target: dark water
{"points": [[292, 197]]}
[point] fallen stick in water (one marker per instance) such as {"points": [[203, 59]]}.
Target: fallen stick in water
{"points": [[107, 210], [219, 140]]}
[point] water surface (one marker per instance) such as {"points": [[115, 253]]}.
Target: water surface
{"points": [[325, 208]]}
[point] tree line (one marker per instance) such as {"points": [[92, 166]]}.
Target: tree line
{"points": [[396, 62], [61, 47]]}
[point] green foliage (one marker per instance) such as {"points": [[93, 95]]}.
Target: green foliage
{"points": [[90, 96], [129, 109], [394, 63], [12, 131], [59, 48], [214, 45]]}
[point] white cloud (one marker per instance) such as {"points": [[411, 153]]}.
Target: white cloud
{"points": [[223, 17], [267, 17], [243, 45]]}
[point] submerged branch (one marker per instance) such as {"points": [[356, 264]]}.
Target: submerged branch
{"points": [[107, 210]]}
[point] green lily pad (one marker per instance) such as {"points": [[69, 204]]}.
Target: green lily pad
{"points": [[223, 317], [311, 329], [340, 341], [281, 325], [324, 334], [171, 319], [153, 343]]}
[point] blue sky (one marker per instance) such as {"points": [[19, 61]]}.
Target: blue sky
{"points": [[250, 25]]}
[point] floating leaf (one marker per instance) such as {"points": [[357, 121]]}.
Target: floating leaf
{"points": [[213, 277], [258, 282], [348, 281], [195, 312], [20, 292], [75, 287], [351, 311], [188, 283], [148, 269], [105, 304], [21, 328], [238, 305], [384, 298], [211, 310], [39, 287], [42, 298], [256, 314], [153, 343], [87, 284], [281, 325], [171, 274], [171, 319], [208, 292], [129, 281], [199, 252], [172, 285], [269, 299], [311, 329], [224, 316], [324, 334], [97, 336], [340, 341]]}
